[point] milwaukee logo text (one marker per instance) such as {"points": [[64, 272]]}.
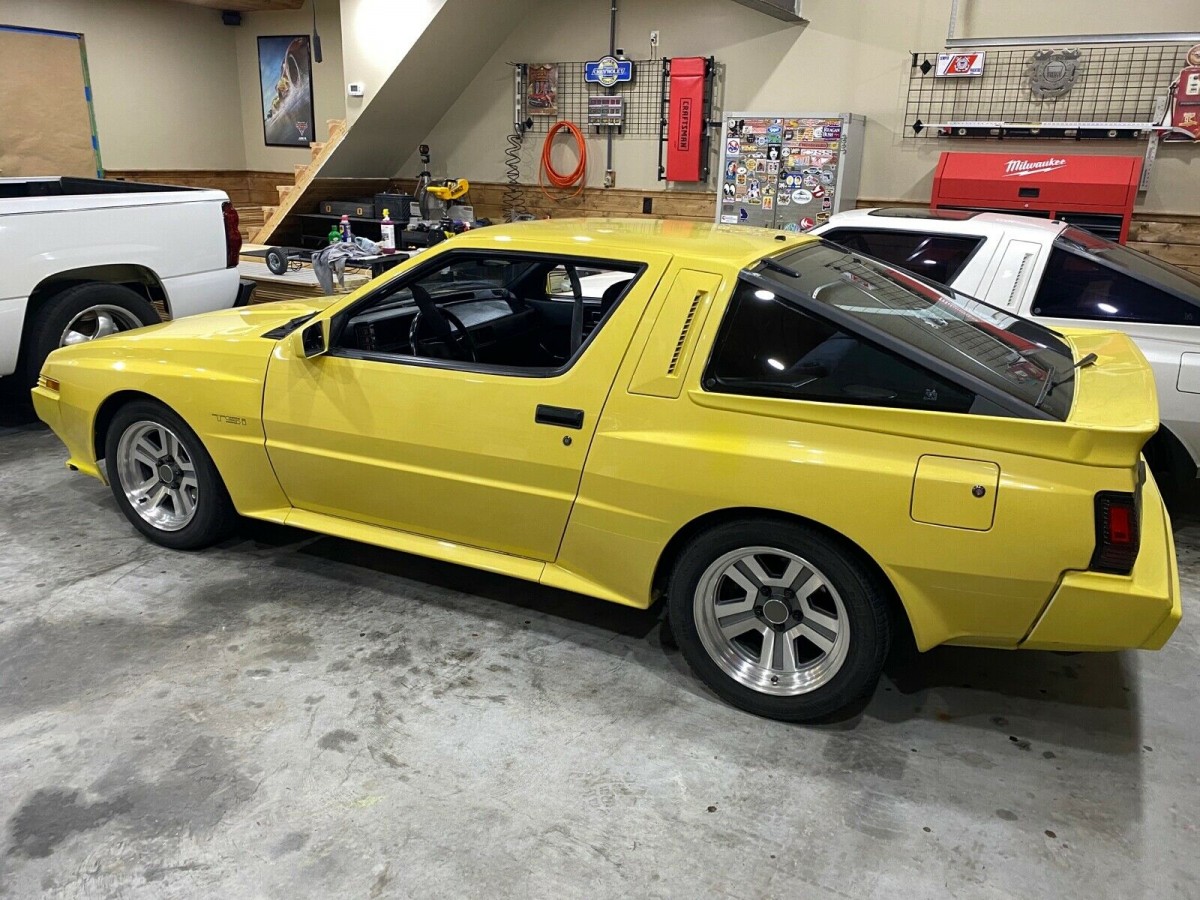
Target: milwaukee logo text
{"points": [[1022, 167]]}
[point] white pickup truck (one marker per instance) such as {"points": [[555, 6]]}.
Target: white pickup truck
{"points": [[1058, 274], [84, 258]]}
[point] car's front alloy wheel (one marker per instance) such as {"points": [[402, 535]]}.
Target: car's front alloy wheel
{"points": [[157, 475], [779, 618], [163, 478]]}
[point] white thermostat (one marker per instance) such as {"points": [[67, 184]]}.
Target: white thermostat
{"points": [[356, 89]]}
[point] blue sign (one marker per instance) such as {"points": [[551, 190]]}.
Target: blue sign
{"points": [[608, 71]]}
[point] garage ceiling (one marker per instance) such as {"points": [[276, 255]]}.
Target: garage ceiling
{"points": [[247, 5]]}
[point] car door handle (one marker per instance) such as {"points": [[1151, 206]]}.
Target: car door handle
{"points": [[559, 415]]}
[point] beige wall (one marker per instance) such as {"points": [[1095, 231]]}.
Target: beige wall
{"points": [[164, 79], [376, 35], [329, 88], [853, 56]]}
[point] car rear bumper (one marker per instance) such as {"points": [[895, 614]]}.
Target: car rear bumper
{"points": [[1096, 611]]}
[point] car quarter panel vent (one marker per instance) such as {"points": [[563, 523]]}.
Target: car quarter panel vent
{"points": [[955, 493], [1016, 266], [673, 337], [683, 334]]}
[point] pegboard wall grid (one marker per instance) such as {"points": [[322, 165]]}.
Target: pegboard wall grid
{"points": [[1116, 84], [643, 96]]}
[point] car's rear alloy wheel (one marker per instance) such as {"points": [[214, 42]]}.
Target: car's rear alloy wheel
{"points": [[779, 619], [163, 478], [771, 620]]}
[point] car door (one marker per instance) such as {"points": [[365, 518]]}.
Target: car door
{"points": [[484, 455]]}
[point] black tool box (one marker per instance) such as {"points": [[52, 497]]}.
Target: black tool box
{"points": [[395, 204], [364, 208]]}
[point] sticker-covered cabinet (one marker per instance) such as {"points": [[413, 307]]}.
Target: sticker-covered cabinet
{"points": [[787, 170]]}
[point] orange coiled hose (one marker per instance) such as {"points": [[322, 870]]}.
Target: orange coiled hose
{"points": [[556, 178]]}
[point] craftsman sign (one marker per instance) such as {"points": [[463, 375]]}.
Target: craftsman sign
{"points": [[608, 71], [684, 131], [959, 65]]}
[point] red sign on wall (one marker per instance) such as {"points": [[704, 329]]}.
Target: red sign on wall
{"points": [[1185, 104], [959, 65]]}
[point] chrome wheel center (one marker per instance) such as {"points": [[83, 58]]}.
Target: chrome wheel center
{"points": [[97, 322], [771, 620], [775, 611], [166, 474]]}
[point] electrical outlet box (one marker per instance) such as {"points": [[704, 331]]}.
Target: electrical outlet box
{"points": [[654, 38], [610, 178], [356, 89]]}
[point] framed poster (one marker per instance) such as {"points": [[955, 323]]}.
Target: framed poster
{"points": [[542, 96], [285, 77]]}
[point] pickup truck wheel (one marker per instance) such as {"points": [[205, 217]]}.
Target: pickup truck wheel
{"points": [[779, 619], [80, 314], [164, 480]]}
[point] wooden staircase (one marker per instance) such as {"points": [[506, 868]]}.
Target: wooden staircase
{"points": [[290, 194]]}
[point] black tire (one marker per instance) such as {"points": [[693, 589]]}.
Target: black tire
{"points": [[213, 517], [277, 260], [44, 331], [863, 611], [1172, 467]]}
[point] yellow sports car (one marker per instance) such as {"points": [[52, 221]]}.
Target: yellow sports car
{"points": [[803, 449]]}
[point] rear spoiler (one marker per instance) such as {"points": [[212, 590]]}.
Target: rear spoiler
{"points": [[1115, 406]]}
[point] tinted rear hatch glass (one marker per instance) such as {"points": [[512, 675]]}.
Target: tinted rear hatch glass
{"points": [[1013, 356]]}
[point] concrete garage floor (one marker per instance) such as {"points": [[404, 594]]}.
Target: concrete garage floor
{"points": [[292, 716]]}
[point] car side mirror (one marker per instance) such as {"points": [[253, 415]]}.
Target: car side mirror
{"points": [[314, 339]]}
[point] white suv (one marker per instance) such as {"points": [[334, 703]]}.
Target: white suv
{"points": [[1058, 274]]}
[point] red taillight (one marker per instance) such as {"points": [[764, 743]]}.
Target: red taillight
{"points": [[1117, 538], [233, 237]]}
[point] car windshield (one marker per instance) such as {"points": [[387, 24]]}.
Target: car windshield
{"points": [[1013, 355], [1141, 266]]}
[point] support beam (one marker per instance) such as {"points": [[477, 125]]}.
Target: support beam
{"points": [[785, 10]]}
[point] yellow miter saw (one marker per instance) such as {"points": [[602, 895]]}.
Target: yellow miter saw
{"points": [[450, 189], [439, 204]]}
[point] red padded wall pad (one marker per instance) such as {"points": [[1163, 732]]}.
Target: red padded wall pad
{"points": [[685, 119]]}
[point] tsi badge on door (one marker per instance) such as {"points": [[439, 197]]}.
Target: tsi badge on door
{"points": [[956, 493]]}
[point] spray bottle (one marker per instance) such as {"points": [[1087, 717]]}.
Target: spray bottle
{"points": [[344, 229], [387, 231]]}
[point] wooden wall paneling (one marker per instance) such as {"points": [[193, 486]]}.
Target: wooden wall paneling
{"points": [[1174, 239], [487, 198]]}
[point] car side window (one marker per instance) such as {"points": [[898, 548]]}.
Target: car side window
{"points": [[770, 348], [521, 313], [938, 257], [1076, 287]]}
